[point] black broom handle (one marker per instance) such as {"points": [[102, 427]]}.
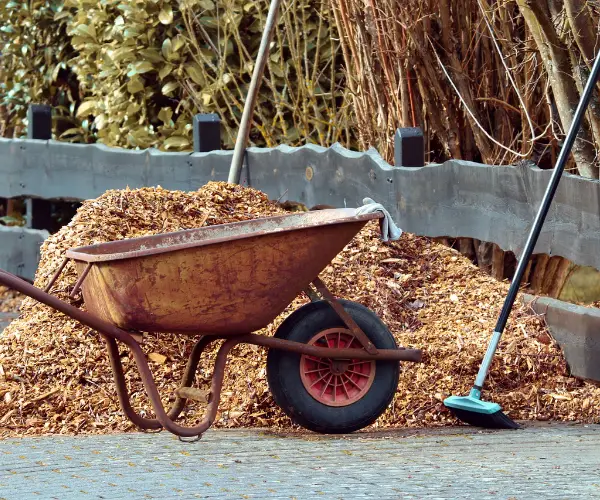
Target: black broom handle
{"points": [[548, 195]]}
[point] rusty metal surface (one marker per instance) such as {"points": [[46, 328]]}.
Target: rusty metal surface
{"points": [[209, 235], [344, 316], [226, 280], [79, 282], [111, 333], [400, 354], [56, 275]]}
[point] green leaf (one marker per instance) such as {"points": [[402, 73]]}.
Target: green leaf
{"points": [[206, 4], [8, 220], [140, 68], [85, 108], [133, 108], [151, 55], [209, 22], [167, 48], [185, 4], [195, 73], [135, 85], [176, 141], [165, 115], [169, 87], [178, 42], [70, 132], [100, 121], [121, 53], [165, 16], [61, 15], [132, 32], [86, 31], [165, 71]]}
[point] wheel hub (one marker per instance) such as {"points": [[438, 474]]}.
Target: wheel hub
{"points": [[339, 366], [339, 382]]}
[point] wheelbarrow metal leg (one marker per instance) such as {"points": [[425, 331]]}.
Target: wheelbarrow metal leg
{"points": [[187, 380], [190, 374], [122, 393], [215, 392], [312, 295]]}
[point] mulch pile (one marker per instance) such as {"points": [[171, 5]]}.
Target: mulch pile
{"points": [[55, 378], [10, 301]]}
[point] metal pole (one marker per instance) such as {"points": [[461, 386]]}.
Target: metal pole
{"points": [[549, 194], [537, 224], [235, 170]]}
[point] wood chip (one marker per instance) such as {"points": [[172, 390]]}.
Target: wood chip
{"points": [[157, 358]]}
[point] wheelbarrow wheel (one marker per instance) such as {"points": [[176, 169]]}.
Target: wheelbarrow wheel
{"points": [[326, 396]]}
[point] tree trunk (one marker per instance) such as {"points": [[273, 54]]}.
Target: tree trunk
{"points": [[555, 56], [538, 273], [527, 273], [485, 254], [562, 273], [584, 31], [497, 263], [550, 274], [465, 247]]}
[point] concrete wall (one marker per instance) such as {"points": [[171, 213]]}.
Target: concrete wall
{"points": [[457, 198], [576, 329], [20, 250], [454, 199]]}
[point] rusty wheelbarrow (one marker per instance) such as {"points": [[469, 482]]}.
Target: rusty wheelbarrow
{"points": [[332, 365]]}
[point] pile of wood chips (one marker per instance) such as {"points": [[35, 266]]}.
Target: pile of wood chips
{"points": [[55, 377], [10, 301]]}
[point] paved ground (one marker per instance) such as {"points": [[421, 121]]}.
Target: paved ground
{"points": [[542, 462]]}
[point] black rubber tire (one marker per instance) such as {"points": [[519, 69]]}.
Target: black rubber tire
{"points": [[285, 383]]}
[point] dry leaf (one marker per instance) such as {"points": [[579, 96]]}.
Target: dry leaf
{"points": [[157, 358]]}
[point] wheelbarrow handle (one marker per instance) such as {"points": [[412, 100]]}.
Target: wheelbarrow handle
{"points": [[111, 333]]}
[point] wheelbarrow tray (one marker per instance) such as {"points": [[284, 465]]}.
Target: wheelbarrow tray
{"points": [[226, 279]]}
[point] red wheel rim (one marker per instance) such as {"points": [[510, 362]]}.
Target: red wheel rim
{"points": [[336, 382]]}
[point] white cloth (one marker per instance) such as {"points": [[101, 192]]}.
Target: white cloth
{"points": [[389, 230]]}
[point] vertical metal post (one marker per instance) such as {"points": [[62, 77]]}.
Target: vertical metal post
{"points": [[39, 118], [409, 149], [207, 132], [235, 171], [39, 126]]}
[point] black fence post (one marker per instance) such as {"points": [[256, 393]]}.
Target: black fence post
{"points": [[409, 150], [207, 133], [39, 118]]}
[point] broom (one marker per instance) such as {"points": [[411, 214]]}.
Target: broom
{"points": [[471, 409]]}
